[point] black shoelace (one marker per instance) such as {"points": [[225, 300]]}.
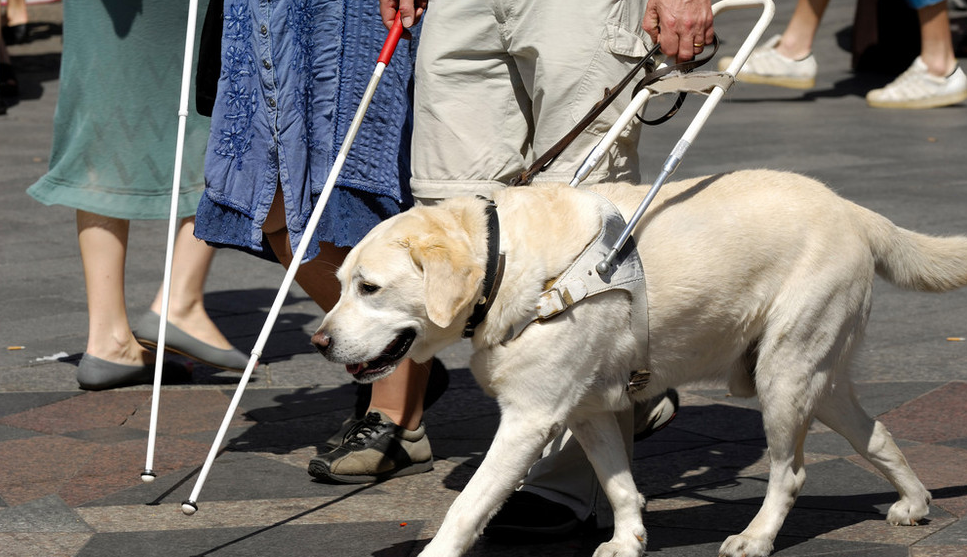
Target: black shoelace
{"points": [[363, 429]]}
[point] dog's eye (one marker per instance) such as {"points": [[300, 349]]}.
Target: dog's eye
{"points": [[368, 288]]}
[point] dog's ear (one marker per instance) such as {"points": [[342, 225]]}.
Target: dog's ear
{"points": [[450, 279]]}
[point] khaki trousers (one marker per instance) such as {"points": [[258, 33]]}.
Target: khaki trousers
{"points": [[498, 82]]}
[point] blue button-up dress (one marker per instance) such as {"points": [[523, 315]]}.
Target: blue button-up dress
{"points": [[293, 74]]}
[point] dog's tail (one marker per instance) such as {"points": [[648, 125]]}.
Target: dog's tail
{"points": [[916, 261]]}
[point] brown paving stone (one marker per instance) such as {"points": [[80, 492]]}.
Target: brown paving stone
{"points": [[119, 467], [40, 466], [939, 415], [941, 469], [186, 411], [41, 545], [81, 471], [87, 411]]}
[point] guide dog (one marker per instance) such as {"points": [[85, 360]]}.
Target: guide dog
{"points": [[757, 278]]}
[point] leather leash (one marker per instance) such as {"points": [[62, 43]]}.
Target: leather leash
{"points": [[610, 95]]}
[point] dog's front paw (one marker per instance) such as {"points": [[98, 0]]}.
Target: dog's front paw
{"points": [[634, 547], [741, 545], [909, 511]]}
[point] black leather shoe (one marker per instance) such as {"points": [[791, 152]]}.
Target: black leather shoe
{"points": [[527, 517], [15, 34]]}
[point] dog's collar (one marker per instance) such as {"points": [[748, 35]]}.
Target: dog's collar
{"points": [[494, 271]]}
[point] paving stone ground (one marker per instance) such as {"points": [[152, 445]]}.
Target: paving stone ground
{"points": [[70, 460]]}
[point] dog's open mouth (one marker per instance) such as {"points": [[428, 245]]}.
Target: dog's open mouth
{"points": [[388, 359]]}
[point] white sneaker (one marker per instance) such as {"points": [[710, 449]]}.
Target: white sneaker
{"points": [[766, 66], [918, 88]]}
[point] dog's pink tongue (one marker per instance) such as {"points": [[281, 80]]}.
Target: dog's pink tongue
{"points": [[354, 369]]}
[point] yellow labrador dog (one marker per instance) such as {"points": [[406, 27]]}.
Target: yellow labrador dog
{"points": [[757, 278]]}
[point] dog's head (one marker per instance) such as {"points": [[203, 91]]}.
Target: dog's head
{"points": [[407, 289]]}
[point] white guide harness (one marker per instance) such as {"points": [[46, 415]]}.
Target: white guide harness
{"points": [[581, 280]]}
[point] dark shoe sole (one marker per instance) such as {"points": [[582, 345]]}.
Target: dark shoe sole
{"points": [[320, 472]]}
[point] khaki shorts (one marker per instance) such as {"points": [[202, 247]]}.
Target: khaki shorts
{"points": [[498, 82]]}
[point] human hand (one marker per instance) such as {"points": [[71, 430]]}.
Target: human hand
{"points": [[410, 11], [681, 27]]}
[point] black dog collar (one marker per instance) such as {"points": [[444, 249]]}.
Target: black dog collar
{"points": [[494, 271]]}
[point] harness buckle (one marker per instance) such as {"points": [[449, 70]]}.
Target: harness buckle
{"points": [[550, 304], [556, 300]]}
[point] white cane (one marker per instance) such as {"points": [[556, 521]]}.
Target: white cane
{"points": [[190, 506], [148, 475]]}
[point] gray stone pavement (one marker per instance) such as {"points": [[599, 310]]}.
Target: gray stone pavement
{"points": [[70, 460]]}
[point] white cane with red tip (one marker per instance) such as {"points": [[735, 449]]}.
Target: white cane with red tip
{"points": [[190, 506]]}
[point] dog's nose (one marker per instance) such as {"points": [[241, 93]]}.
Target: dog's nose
{"points": [[321, 340]]}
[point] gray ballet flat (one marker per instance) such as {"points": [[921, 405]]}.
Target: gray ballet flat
{"points": [[96, 374], [180, 342]]}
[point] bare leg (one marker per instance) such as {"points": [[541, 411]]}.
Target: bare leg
{"points": [[797, 39], [399, 396], [103, 243], [191, 261], [16, 12], [936, 42]]}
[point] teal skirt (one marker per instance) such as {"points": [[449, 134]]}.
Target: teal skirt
{"points": [[116, 123]]}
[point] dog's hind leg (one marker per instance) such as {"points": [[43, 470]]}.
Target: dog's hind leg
{"points": [[786, 388], [844, 415], [603, 442], [518, 443]]}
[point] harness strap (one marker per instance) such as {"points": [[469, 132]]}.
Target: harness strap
{"points": [[581, 280]]}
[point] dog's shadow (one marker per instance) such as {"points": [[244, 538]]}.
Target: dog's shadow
{"points": [[704, 475]]}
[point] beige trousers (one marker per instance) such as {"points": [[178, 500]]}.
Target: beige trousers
{"points": [[498, 82]]}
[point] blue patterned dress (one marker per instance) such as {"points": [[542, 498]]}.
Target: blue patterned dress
{"points": [[293, 74]]}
